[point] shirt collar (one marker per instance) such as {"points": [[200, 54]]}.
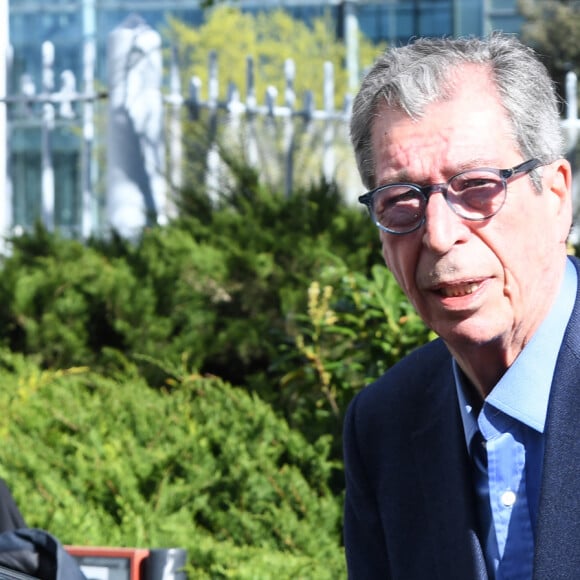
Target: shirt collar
{"points": [[524, 390]]}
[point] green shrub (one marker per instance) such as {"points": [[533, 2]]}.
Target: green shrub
{"points": [[198, 464], [217, 285], [353, 330], [118, 419], [227, 287], [273, 246], [65, 302]]}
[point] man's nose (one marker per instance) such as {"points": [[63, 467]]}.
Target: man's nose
{"points": [[443, 227]]}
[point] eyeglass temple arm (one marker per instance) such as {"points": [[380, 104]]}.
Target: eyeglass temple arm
{"points": [[524, 167]]}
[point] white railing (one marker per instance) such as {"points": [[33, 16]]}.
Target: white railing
{"points": [[144, 141]]}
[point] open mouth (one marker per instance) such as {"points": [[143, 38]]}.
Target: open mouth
{"points": [[458, 290]]}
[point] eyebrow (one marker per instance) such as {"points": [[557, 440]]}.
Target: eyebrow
{"points": [[403, 176]]}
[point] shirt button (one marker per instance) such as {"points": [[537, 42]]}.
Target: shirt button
{"points": [[508, 498]]}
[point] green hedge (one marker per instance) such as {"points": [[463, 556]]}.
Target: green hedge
{"points": [[188, 388], [229, 287], [199, 464]]}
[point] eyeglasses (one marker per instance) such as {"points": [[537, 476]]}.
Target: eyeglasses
{"points": [[475, 194]]}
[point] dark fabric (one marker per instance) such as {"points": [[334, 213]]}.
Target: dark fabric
{"points": [[10, 516], [410, 509], [39, 554], [558, 527], [9, 574], [480, 478]]}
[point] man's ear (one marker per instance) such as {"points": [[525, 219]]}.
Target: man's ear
{"points": [[559, 185]]}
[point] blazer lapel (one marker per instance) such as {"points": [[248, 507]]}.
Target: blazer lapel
{"points": [[558, 526], [445, 478]]}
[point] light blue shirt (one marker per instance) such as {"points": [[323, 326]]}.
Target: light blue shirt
{"points": [[512, 422]]}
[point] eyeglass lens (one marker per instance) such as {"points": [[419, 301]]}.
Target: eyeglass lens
{"points": [[474, 195]]}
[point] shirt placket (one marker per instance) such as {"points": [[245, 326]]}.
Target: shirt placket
{"points": [[506, 458]]}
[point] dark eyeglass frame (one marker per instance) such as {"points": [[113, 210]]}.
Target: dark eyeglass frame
{"points": [[426, 191]]}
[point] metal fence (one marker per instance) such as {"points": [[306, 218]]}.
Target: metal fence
{"points": [[143, 139], [143, 133]]}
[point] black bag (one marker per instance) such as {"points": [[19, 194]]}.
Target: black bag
{"points": [[7, 574], [28, 553], [31, 553], [10, 516]]}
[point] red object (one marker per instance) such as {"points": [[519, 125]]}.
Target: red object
{"points": [[125, 563]]}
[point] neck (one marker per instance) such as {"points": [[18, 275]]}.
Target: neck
{"points": [[484, 366]]}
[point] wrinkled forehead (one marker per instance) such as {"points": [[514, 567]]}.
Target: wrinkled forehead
{"points": [[469, 128], [414, 88]]}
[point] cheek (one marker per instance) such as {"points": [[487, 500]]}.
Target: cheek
{"points": [[511, 251], [513, 259], [401, 260], [389, 252]]}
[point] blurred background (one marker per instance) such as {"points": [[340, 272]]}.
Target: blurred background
{"points": [[97, 93]]}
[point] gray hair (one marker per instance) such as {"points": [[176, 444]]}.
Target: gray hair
{"points": [[411, 77]]}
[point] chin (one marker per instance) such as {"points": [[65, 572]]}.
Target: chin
{"points": [[468, 332]]}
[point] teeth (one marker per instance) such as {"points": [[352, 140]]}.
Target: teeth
{"points": [[455, 291]]}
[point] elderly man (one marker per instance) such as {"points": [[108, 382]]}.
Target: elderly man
{"points": [[462, 461]]}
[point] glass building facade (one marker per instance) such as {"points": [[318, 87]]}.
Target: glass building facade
{"points": [[69, 23]]}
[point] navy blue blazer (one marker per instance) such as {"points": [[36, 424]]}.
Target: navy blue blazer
{"points": [[410, 507]]}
